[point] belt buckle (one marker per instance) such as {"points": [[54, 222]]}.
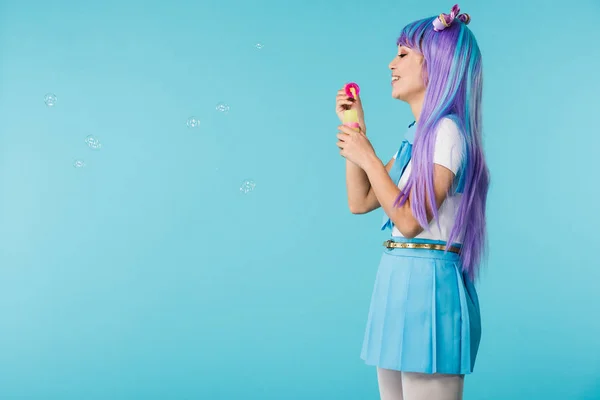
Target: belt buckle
{"points": [[388, 243]]}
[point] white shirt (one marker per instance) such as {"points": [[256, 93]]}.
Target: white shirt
{"points": [[448, 152]]}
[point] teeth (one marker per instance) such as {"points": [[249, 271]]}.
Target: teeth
{"points": [[395, 78]]}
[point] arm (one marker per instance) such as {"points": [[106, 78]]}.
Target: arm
{"points": [[361, 196], [447, 158], [386, 193]]}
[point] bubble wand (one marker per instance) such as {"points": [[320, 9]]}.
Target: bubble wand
{"points": [[350, 117]]}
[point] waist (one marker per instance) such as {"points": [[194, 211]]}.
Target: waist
{"points": [[396, 242]]}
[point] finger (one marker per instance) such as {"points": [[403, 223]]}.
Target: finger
{"points": [[340, 144], [344, 99], [348, 130], [342, 136], [344, 96], [343, 104], [342, 93]]}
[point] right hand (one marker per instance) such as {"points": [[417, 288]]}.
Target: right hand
{"points": [[343, 103]]}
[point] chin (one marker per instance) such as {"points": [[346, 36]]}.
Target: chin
{"points": [[398, 95]]}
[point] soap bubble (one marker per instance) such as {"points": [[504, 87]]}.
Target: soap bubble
{"points": [[50, 99], [222, 107], [93, 143], [259, 46], [193, 122], [79, 164], [247, 186]]}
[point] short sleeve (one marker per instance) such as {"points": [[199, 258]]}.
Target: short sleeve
{"points": [[448, 146]]}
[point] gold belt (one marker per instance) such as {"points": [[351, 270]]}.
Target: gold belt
{"points": [[390, 244]]}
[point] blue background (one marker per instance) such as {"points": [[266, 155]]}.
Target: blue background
{"points": [[148, 274]]}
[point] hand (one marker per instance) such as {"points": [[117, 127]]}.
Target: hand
{"points": [[343, 103], [354, 146]]}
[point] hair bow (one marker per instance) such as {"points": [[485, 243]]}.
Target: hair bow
{"points": [[445, 20]]}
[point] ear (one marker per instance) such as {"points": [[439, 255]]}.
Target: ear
{"points": [[424, 72]]}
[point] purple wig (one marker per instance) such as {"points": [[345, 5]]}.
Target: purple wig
{"points": [[452, 71]]}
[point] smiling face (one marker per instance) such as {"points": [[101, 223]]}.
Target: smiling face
{"points": [[408, 83]]}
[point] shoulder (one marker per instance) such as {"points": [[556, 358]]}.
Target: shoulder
{"points": [[449, 144], [448, 129]]}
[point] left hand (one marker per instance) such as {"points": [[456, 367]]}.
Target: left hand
{"points": [[354, 146]]}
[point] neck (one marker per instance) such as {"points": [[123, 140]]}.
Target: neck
{"points": [[416, 105]]}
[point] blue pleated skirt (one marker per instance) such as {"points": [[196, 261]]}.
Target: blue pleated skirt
{"points": [[424, 313]]}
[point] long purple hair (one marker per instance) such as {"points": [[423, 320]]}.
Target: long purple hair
{"points": [[452, 71]]}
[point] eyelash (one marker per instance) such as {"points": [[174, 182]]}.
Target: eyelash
{"points": [[401, 55]]}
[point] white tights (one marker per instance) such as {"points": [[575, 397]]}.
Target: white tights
{"points": [[396, 385]]}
